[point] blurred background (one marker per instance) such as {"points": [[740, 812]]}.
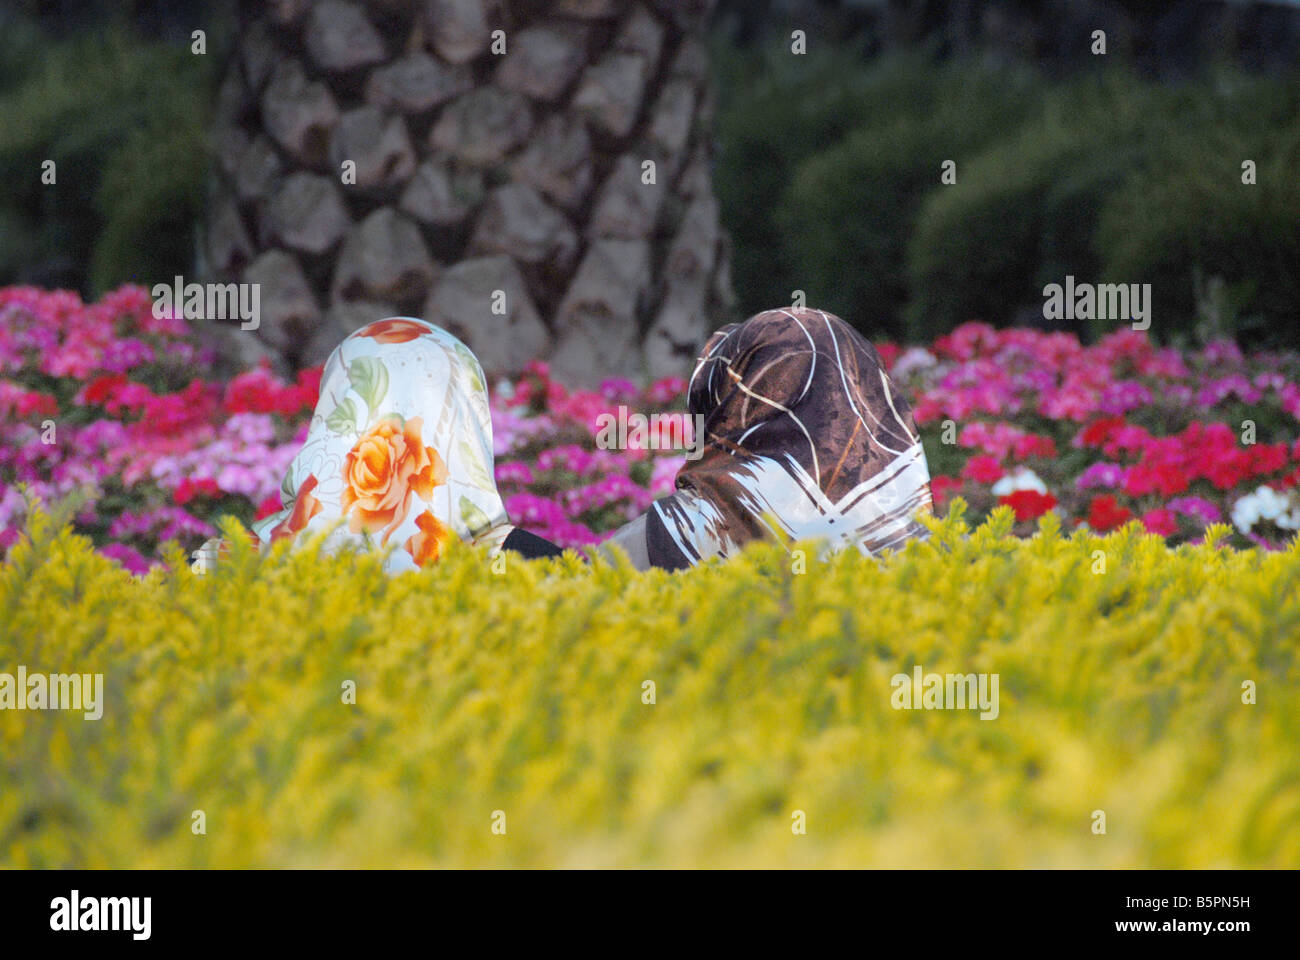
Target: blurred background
{"points": [[773, 171]]}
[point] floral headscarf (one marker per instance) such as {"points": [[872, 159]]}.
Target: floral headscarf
{"points": [[803, 429], [399, 449]]}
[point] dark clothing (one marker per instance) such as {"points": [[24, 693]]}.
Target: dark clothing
{"points": [[805, 436], [530, 545]]}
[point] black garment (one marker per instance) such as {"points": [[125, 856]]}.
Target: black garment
{"points": [[530, 545]]}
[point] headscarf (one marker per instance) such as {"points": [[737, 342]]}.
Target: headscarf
{"points": [[803, 429], [399, 449]]}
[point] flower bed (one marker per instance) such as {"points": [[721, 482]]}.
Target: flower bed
{"points": [[1112, 432], [109, 403], [320, 714]]}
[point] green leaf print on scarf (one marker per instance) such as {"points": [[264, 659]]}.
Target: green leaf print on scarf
{"points": [[472, 368], [369, 378], [344, 417], [476, 521], [475, 469]]}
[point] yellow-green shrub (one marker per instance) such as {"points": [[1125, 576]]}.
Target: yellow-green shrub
{"points": [[522, 692]]}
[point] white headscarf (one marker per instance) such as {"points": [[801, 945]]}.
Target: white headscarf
{"points": [[399, 449]]}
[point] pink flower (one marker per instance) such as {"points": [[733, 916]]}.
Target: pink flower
{"points": [[270, 505], [514, 472], [1104, 475], [128, 557], [665, 391], [982, 469], [663, 475], [942, 487], [189, 489], [1160, 521], [1203, 510], [1034, 445]]}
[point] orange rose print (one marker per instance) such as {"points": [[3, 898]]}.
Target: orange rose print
{"points": [[426, 546], [305, 507], [387, 465], [394, 330]]}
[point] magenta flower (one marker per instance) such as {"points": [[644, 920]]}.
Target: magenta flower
{"points": [[1198, 508], [128, 557], [1101, 476]]}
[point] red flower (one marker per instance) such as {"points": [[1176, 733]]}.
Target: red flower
{"points": [[97, 391], [1105, 514], [926, 410], [1028, 504], [942, 487], [1289, 480], [269, 506], [1227, 469], [1099, 432], [982, 469], [1267, 458], [1171, 480], [173, 413], [1160, 521], [260, 391], [1034, 445], [188, 489], [888, 353], [309, 387], [1162, 478], [44, 404]]}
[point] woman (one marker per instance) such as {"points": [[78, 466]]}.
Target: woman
{"points": [[805, 436], [399, 452]]}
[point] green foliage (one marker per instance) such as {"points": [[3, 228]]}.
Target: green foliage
{"points": [[1222, 256], [775, 111], [125, 123], [828, 176], [523, 692], [850, 207], [1023, 212]]}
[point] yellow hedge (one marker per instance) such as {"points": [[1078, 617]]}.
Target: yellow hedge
{"points": [[516, 699]]}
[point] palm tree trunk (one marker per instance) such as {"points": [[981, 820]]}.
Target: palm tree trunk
{"points": [[533, 176]]}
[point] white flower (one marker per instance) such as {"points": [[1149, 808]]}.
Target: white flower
{"points": [[911, 360], [1264, 504], [1272, 504], [1022, 478], [1244, 514]]}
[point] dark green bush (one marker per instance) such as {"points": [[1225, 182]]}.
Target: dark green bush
{"points": [[775, 110], [850, 209], [828, 175], [1223, 257], [125, 123], [1024, 212], [149, 233]]}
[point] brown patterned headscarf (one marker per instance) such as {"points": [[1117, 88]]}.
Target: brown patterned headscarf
{"points": [[804, 430]]}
